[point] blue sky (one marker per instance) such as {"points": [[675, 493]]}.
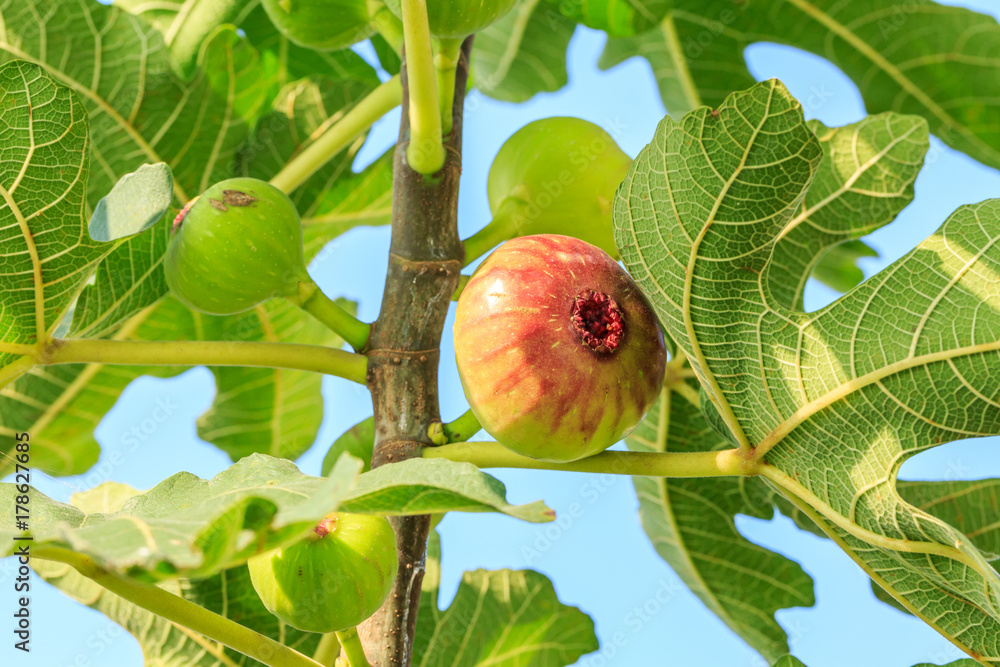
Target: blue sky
{"points": [[600, 561]]}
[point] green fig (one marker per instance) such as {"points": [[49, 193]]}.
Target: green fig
{"points": [[457, 19], [324, 25], [333, 579], [553, 176], [238, 245]]}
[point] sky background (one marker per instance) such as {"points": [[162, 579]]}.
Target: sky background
{"points": [[601, 561]]}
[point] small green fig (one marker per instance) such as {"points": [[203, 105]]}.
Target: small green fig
{"points": [[324, 25], [559, 352], [238, 245], [555, 176], [457, 19], [333, 579]]}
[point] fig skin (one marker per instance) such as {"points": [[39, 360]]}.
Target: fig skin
{"points": [[528, 373], [560, 174], [329, 581], [323, 25], [238, 245], [457, 19]]}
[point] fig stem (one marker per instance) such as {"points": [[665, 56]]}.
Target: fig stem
{"points": [[504, 226], [725, 463], [339, 135], [183, 612], [445, 65], [463, 280], [463, 428], [327, 650], [190, 29], [425, 152], [314, 358], [312, 300], [353, 650], [387, 25]]}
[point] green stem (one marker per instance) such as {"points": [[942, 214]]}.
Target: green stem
{"points": [[190, 29], [390, 28], [445, 65], [351, 644], [315, 358], [463, 280], [726, 463], [339, 135], [312, 300], [425, 152], [328, 649], [462, 428], [183, 612], [505, 225]]}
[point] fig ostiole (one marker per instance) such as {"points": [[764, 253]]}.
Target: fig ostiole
{"points": [[331, 580], [457, 19], [323, 25], [559, 352], [553, 176]]}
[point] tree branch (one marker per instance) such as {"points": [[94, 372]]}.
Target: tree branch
{"points": [[425, 258]]}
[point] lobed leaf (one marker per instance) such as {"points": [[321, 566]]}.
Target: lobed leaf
{"points": [[523, 53], [500, 618], [194, 528], [690, 523], [834, 401], [229, 593], [920, 58]]}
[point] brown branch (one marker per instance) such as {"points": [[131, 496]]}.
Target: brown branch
{"points": [[425, 258]]}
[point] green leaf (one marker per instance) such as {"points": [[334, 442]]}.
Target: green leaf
{"points": [[500, 618], [838, 267], [691, 524], [957, 663], [185, 525], [523, 53], [923, 58], [836, 400], [301, 112], [272, 411], [229, 593], [789, 661], [140, 112], [617, 17], [433, 486], [970, 506], [195, 528], [47, 253], [358, 441], [137, 202], [863, 181]]}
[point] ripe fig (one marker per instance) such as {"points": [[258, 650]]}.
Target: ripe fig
{"points": [[324, 25], [333, 579], [237, 245], [457, 19], [559, 352], [554, 176]]}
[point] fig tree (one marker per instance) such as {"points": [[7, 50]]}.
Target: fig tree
{"points": [[237, 245], [333, 579], [559, 352], [457, 19], [324, 25], [553, 176]]}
